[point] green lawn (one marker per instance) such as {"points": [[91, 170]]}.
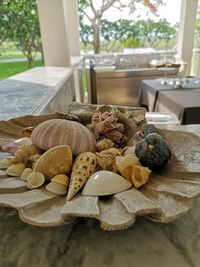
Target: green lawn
{"points": [[8, 69]]}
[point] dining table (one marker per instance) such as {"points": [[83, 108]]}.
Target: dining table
{"points": [[84, 244], [151, 89]]}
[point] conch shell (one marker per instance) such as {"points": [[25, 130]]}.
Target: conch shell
{"points": [[57, 132], [131, 169], [84, 166], [57, 160]]}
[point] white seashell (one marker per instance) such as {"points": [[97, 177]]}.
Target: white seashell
{"points": [[35, 179], [130, 150], [104, 183], [6, 162], [57, 132], [25, 173], [16, 169], [56, 188]]}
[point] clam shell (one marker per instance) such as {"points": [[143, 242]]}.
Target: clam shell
{"points": [[16, 169], [35, 179], [104, 183], [6, 162], [56, 132], [25, 173], [56, 188], [57, 160], [61, 179]]}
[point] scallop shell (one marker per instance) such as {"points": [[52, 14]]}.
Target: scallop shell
{"points": [[35, 180], [103, 183], [104, 144], [56, 132], [16, 169], [56, 188], [130, 168], [61, 179], [6, 162], [84, 165], [57, 160], [25, 173]]}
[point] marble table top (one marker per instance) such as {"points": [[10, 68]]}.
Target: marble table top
{"points": [[84, 244]]}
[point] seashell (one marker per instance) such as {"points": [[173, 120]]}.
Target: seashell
{"points": [[24, 152], [103, 183], [56, 132], [56, 188], [106, 160], [104, 144], [32, 160], [25, 173], [57, 160], [129, 150], [130, 168], [35, 180], [26, 132], [16, 169], [6, 162], [12, 146], [61, 179], [84, 165]]}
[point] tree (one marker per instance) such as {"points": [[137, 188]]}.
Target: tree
{"points": [[94, 13]]}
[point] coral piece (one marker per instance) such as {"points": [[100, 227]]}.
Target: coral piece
{"points": [[153, 152], [84, 166], [104, 144], [56, 132], [106, 124], [103, 183], [57, 160]]}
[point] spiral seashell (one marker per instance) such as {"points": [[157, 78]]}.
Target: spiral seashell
{"points": [[106, 160], [35, 180], [84, 166], [16, 169], [104, 144], [56, 132], [57, 160], [25, 173], [24, 152]]}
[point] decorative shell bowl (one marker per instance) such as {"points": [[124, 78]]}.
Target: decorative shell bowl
{"points": [[166, 196]]}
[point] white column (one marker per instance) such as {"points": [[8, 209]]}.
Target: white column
{"points": [[186, 32], [72, 26], [54, 34]]}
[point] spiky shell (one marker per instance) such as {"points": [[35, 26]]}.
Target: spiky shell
{"points": [[16, 169], [84, 166], [104, 183], [57, 160], [35, 180], [56, 188], [56, 132]]}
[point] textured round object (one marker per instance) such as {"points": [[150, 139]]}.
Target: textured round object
{"points": [[57, 132]]}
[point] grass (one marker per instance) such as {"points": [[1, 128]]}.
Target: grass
{"points": [[8, 69]]}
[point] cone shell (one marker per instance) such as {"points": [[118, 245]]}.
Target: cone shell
{"points": [[84, 166], [25, 173], [130, 168], [56, 132], [104, 183], [35, 180], [6, 162], [57, 160], [56, 188], [16, 169], [61, 179]]}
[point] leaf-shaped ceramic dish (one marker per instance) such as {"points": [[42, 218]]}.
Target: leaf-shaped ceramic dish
{"points": [[164, 198]]}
